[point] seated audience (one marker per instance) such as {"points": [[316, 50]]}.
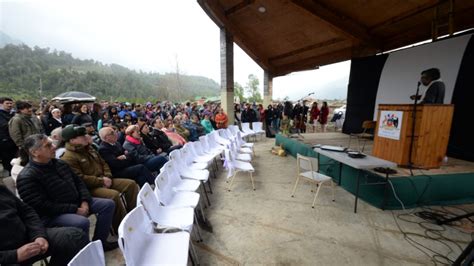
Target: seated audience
{"points": [[201, 131], [58, 195], [53, 121], [121, 164], [139, 152], [206, 123], [94, 171], [170, 131], [25, 240], [160, 138]]}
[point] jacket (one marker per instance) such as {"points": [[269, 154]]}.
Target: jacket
{"points": [[51, 124], [161, 140], [110, 153], [19, 225], [51, 189], [4, 134], [86, 162], [139, 152], [22, 126]]}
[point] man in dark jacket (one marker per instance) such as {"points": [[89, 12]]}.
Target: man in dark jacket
{"points": [[25, 240], [86, 162], [58, 195], [9, 149], [121, 165]]}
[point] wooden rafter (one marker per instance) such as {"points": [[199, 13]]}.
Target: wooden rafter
{"points": [[216, 12], [408, 14], [238, 7], [307, 48], [341, 23]]}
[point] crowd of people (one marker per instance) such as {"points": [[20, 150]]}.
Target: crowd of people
{"points": [[73, 160], [284, 117]]}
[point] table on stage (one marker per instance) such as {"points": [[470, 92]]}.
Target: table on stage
{"points": [[361, 164]]}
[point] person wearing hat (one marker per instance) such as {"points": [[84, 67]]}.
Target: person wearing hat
{"points": [[53, 121], [96, 174], [58, 195]]}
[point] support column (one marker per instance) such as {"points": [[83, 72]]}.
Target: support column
{"points": [[227, 74], [267, 89]]}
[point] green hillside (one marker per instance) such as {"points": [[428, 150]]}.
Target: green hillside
{"points": [[22, 68]]}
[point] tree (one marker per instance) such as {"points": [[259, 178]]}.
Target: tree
{"points": [[239, 92], [252, 89]]}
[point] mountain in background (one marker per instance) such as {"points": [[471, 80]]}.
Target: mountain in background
{"points": [[6, 39], [23, 70]]}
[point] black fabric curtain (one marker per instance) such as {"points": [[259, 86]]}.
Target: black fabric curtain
{"points": [[362, 91], [461, 139]]}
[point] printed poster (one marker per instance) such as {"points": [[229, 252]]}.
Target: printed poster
{"points": [[390, 124]]}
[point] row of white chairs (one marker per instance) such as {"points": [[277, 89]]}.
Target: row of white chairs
{"points": [[159, 229], [254, 132]]}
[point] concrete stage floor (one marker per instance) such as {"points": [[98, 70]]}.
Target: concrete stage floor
{"points": [[268, 227]]}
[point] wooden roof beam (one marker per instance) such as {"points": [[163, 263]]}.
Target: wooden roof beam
{"points": [[408, 14], [340, 23], [215, 11], [315, 62], [238, 7], [306, 48]]}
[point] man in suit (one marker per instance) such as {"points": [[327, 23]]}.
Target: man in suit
{"points": [[431, 78]]}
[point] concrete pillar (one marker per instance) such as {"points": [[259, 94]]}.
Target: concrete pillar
{"points": [[267, 89], [227, 74]]}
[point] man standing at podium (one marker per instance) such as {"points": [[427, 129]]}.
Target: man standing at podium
{"points": [[431, 78]]}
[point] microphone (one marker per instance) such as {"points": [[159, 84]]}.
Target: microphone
{"points": [[419, 83]]}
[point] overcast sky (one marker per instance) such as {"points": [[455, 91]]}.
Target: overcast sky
{"points": [[150, 36]]}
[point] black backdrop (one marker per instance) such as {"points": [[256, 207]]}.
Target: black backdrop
{"points": [[362, 92]]}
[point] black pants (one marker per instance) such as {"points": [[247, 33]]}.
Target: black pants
{"points": [[138, 172], [64, 244], [8, 151]]}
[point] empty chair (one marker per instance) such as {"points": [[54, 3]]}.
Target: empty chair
{"points": [[140, 246], [258, 128], [92, 254], [165, 217], [244, 157], [307, 168], [175, 182], [247, 131], [367, 133], [233, 167]]}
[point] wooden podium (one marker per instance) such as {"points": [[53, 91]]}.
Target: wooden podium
{"points": [[433, 125]]}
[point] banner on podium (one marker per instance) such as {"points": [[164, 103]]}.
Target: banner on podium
{"points": [[390, 124]]}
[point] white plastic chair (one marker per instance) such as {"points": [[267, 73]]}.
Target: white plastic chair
{"points": [[247, 131], [91, 254], [258, 128], [233, 167], [162, 216], [140, 246], [307, 168], [175, 182], [168, 196]]}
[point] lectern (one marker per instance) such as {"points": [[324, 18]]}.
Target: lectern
{"points": [[393, 134]]}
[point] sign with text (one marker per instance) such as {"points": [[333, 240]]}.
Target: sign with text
{"points": [[390, 124]]}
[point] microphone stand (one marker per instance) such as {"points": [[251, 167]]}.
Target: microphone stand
{"points": [[410, 160]]}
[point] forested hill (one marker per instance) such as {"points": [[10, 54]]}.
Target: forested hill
{"points": [[22, 67]]}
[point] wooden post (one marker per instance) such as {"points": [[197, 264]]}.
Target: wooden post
{"points": [[267, 88], [227, 74]]}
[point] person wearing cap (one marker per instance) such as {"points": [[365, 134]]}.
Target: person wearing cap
{"points": [[53, 121], [96, 174], [58, 195]]}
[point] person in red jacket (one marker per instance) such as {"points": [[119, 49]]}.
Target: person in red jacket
{"points": [[323, 116], [221, 119], [314, 115]]}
